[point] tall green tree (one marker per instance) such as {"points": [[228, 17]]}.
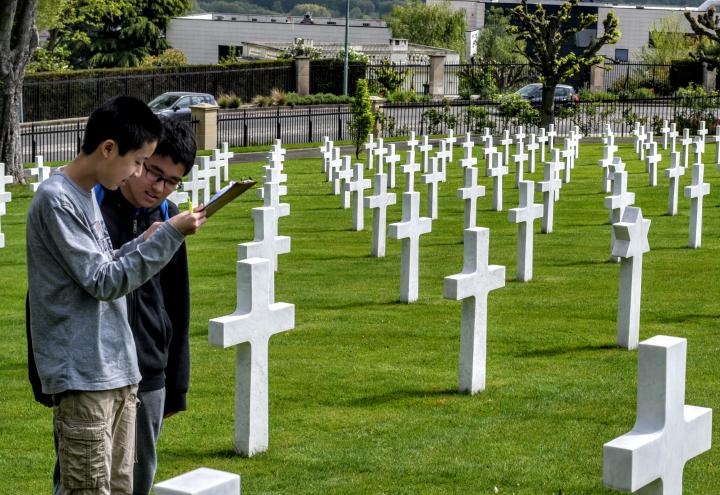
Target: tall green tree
{"points": [[18, 39], [496, 44], [433, 25], [363, 118], [546, 34], [114, 33], [707, 26], [668, 42]]}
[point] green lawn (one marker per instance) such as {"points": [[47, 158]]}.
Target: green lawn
{"points": [[363, 391]]}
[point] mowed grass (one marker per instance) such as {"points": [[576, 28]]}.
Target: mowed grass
{"points": [[363, 392]]}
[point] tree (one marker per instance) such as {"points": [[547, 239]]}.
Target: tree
{"points": [[496, 44], [18, 39], [313, 9], [431, 25], [668, 43], [546, 35], [363, 118], [113, 33], [707, 27]]}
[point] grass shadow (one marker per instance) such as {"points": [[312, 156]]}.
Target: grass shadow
{"points": [[558, 351], [397, 395]]}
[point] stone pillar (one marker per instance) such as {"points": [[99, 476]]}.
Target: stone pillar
{"points": [[302, 75], [377, 109], [597, 77], [708, 78], [205, 116], [437, 76]]}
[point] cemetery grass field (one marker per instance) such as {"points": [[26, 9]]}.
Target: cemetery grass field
{"points": [[363, 392]]}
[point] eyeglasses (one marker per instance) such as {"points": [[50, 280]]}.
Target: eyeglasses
{"points": [[156, 175]]}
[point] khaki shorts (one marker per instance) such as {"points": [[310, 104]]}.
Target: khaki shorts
{"points": [[96, 440]]}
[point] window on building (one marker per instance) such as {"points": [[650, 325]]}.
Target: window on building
{"points": [[621, 54], [225, 51]]}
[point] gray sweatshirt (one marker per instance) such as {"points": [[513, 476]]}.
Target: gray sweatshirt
{"points": [[77, 283]]}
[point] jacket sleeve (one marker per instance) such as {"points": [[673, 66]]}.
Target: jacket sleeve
{"points": [[176, 295]]}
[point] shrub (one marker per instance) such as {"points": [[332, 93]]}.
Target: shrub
{"points": [[230, 100], [363, 119], [478, 118], [477, 80], [262, 101], [516, 110], [390, 78], [436, 119], [643, 93], [278, 97]]}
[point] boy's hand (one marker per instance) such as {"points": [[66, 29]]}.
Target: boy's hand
{"points": [[188, 223]]}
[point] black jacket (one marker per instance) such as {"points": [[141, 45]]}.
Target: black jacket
{"points": [[158, 311]]}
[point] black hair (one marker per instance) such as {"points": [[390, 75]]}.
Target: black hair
{"points": [[124, 119], [177, 142]]}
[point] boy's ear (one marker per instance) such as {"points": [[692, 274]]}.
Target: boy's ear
{"points": [[107, 147]]}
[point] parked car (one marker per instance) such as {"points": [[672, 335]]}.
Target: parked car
{"points": [[176, 104], [564, 95]]}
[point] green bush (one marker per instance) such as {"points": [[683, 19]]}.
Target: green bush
{"points": [[406, 96], [230, 100], [389, 77], [643, 93], [363, 118], [516, 110], [294, 99], [435, 119], [587, 95], [477, 80], [478, 118]]}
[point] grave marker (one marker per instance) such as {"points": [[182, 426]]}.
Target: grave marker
{"points": [[542, 139], [356, 187], [525, 216], [520, 158], [201, 481], [391, 159], [497, 170], [548, 188], [379, 203], [695, 192], [686, 141], [652, 160], [222, 158], [425, 148], [468, 159], [665, 130], [432, 179], [505, 142], [194, 185], [469, 193], [450, 140], [266, 243], [673, 134], [369, 146], [674, 173], [532, 147], [40, 171]]}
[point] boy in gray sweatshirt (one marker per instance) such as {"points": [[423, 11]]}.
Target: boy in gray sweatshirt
{"points": [[82, 342]]}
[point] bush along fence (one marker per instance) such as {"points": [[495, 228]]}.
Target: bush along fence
{"points": [[258, 127]]}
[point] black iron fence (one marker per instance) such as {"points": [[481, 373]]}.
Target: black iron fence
{"points": [[256, 127], [660, 79]]}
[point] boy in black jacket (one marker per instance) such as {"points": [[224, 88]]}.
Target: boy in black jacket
{"points": [[159, 311]]}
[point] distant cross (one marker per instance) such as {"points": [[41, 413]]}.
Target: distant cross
{"points": [[369, 146], [469, 193], [409, 230], [651, 458], [271, 199], [411, 145], [673, 134], [696, 191], [532, 147], [472, 285], [520, 135], [548, 188], [699, 149], [379, 202], [222, 158], [542, 139], [273, 175], [5, 197], [674, 173], [576, 136], [425, 148], [618, 201], [686, 141], [665, 130], [432, 179], [266, 243], [334, 164], [486, 136], [652, 159], [505, 142], [249, 328], [40, 171], [409, 169], [640, 143], [468, 159], [210, 172], [178, 197], [450, 140], [340, 177], [356, 187], [520, 158], [717, 146], [605, 164], [567, 154], [488, 150], [637, 132], [551, 133], [391, 159], [631, 242], [497, 170], [649, 139], [194, 185], [326, 150], [443, 155], [380, 152], [702, 131], [525, 216]]}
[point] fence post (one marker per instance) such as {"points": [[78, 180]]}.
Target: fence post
{"points": [[277, 123], [245, 129], [597, 77], [302, 75], [206, 130], [709, 78], [339, 129], [310, 124], [437, 76]]}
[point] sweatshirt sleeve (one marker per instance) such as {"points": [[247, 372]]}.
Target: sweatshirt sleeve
{"points": [[104, 277]]}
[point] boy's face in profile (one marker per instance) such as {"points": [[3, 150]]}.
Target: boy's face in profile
{"points": [[159, 176], [116, 167]]}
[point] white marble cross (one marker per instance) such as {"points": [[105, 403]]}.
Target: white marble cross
{"points": [[451, 139], [334, 164], [356, 188], [488, 150], [469, 193], [665, 130], [652, 160], [548, 188], [391, 159], [411, 144], [542, 139], [650, 459], [380, 151], [194, 185], [686, 141], [201, 481], [631, 242], [425, 148], [40, 171], [673, 134], [222, 158], [369, 146], [497, 170], [525, 216], [326, 150], [520, 158], [272, 175], [409, 230], [567, 154], [379, 202], [637, 132], [717, 146], [409, 170], [506, 142], [532, 147], [468, 160], [208, 170], [698, 149], [442, 157], [702, 131], [486, 136], [432, 179], [674, 173], [472, 285], [695, 192], [605, 164], [340, 178], [520, 134], [619, 200], [5, 197], [575, 137], [266, 243], [551, 133], [640, 143], [249, 328]]}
